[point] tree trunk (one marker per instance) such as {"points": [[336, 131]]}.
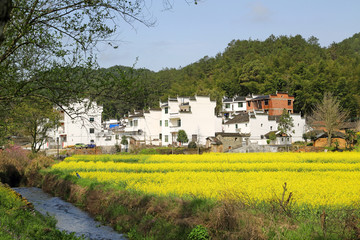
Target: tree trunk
{"points": [[329, 139], [6, 7]]}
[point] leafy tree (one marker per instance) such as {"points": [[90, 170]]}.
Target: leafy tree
{"points": [[329, 114], [350, 138], [124, 140], [272, 136], [35, 119], [182, 137], [286, 123]]}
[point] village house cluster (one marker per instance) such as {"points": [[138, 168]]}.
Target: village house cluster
{"points": [[242, 121]]}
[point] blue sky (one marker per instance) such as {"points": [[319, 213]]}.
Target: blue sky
{"points": [[188, 32]]}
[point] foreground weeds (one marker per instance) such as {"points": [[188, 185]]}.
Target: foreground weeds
{"points": [[18, 219], [234, 216], [21, 167]]}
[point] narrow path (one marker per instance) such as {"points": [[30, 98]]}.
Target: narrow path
{"points": [[69, 217]]}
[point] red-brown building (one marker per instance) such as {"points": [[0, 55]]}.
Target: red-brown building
{"points": [[272, 104]]}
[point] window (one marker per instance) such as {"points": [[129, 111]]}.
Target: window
{"points": [[261, 125], [240, 104], [236, 126], [166, 110], [166, 123], [108, 138], [92, 141], [289, 102], [249, 104], [135, 123], [160, 123], [227, 105], [92, 119], [92, 130], [166, 138], [131, 123], [117, 136], [160, 136], [270, 127], [266, 102], [179, 123], [245, 124], [194, 137]]}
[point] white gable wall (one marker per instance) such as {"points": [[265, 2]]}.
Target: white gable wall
{"points": [[78, 120], [261, 125]]}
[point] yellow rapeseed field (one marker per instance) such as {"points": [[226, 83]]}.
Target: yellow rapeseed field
{"points": [[315, 179]]}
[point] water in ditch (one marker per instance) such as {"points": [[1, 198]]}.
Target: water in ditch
{"points": [[69, 217]]}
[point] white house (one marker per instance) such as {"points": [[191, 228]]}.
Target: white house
{"points": [[195, 115], [233, 106], [258, 124], [80, 122], [144, 127]]}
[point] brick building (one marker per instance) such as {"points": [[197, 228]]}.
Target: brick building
{"points": [[272, 104]]}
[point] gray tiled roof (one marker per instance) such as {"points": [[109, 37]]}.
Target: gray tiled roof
{"points": [[240, 118]]}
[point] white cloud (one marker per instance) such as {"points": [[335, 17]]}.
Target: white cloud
{"points": [[260, 12]]}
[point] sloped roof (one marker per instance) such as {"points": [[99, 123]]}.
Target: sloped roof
{"points": [[214, 140], [277, 133], [349, 125], [324, 134], [223, 134], [239, 98], [226, 100], [262, 97], [274, 118], [240, 118]]}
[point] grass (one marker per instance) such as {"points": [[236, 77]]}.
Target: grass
{"points": [[146, 216], [20, 221], [233, 216]]}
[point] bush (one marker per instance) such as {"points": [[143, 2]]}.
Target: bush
{"points": [[268, 141], [192, 144], [198, 233], [148, 151], [272, 136], [117, 148]]}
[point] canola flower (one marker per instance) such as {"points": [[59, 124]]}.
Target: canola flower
{"points": [[315, 179]]}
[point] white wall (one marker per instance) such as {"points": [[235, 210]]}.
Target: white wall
{"points": [[152, 127], [201, 121], [261, 125], [77, 123], [242, 108]]}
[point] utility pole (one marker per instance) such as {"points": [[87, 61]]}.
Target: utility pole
{"points": [[58, 153]]}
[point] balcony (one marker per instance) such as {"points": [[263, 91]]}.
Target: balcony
{"points": [[174, 115], [175, 129]]}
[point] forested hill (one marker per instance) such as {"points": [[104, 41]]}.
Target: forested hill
{"points": [[301, 67]]}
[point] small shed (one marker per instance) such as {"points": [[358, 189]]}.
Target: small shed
{"points": [[232, 140], [214, 144], [281, 138], [320, 139]]}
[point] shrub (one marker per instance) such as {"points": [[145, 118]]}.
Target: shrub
{"points": [[268, 141], [148, 151], [198, 233], [272, 136], [117, 148], [192, 144]]}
